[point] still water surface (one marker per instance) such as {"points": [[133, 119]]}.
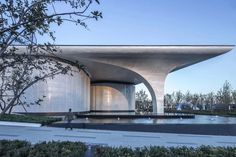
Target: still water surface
{"points": [[199, 119]]}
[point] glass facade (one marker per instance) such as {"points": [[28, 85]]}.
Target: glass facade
{"points": [[112, 96]]}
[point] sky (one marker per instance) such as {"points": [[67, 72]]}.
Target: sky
{"points": [[166, 22]]}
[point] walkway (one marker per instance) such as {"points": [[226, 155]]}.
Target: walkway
{"points": [[112, 138]]}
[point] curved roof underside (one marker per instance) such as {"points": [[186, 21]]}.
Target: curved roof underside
{"points": [[108, 62]]}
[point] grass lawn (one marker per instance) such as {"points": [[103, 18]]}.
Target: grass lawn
{"points": [[29, 119]]}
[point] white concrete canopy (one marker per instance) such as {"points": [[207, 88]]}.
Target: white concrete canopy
{"points": [[135, 64]]}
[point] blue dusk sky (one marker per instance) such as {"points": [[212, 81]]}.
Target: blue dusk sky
{"points": [[167, 22]]}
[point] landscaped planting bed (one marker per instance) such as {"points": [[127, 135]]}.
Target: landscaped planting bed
{"points": [[77, 149], [156, 151], [29, 119], [44, 149]]}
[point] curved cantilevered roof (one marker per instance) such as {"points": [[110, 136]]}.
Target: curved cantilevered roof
{"points": [[116, 62], [122, 63]]}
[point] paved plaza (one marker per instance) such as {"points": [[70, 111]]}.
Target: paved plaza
{"points": [[112, 138]]}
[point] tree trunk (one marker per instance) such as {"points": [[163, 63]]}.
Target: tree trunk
{"points": [[8, 106]]}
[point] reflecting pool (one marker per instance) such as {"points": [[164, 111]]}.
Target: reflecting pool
{"points": [[199, 119]]}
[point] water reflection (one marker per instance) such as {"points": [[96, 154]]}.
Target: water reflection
{"points": [[199, 119]]}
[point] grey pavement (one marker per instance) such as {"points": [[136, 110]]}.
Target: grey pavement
{"points": [[112, 138]]}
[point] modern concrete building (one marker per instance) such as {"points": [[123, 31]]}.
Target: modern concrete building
{"points": [[112, 71]]}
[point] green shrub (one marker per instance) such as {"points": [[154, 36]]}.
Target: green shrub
{"points": [[113, 152], [51, 149], [156, 151], [14, 148], [58, 149], [76, 149], [30, 119], [217, 151]]}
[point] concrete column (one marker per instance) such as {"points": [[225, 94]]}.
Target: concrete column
{"points": [[155, 84]]}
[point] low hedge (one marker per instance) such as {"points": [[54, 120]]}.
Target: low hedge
{"points": [[58, 149], [77, 149], [157, 151], [29, 119], [14, 148], [46, 149]]}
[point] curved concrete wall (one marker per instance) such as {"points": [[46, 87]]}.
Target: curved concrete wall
{"points": [[112, 97], [62, 92]]}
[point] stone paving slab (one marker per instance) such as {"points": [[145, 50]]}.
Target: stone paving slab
{"points": [[112, 138], [19, 124]]}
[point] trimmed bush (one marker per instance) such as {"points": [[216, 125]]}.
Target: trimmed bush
{"points": [[46, 149], [113, 152], [77, 149], [156, 151], [14, 148], [29, 119], [58, 149]]}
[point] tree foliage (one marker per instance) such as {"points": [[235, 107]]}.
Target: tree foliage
{"points": [[21, 23], [178, 97], [168, 101], [142, 102], [234, 96], [224, 96], [22, 20]]}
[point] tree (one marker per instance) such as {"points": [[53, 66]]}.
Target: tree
{"points": [[201, 104], [21, 22], [224, 94], [195, 100], [234, 97], [209, 100], [188, 98], [168, 101], [141, 96], [143, 104], [178, 97]]}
